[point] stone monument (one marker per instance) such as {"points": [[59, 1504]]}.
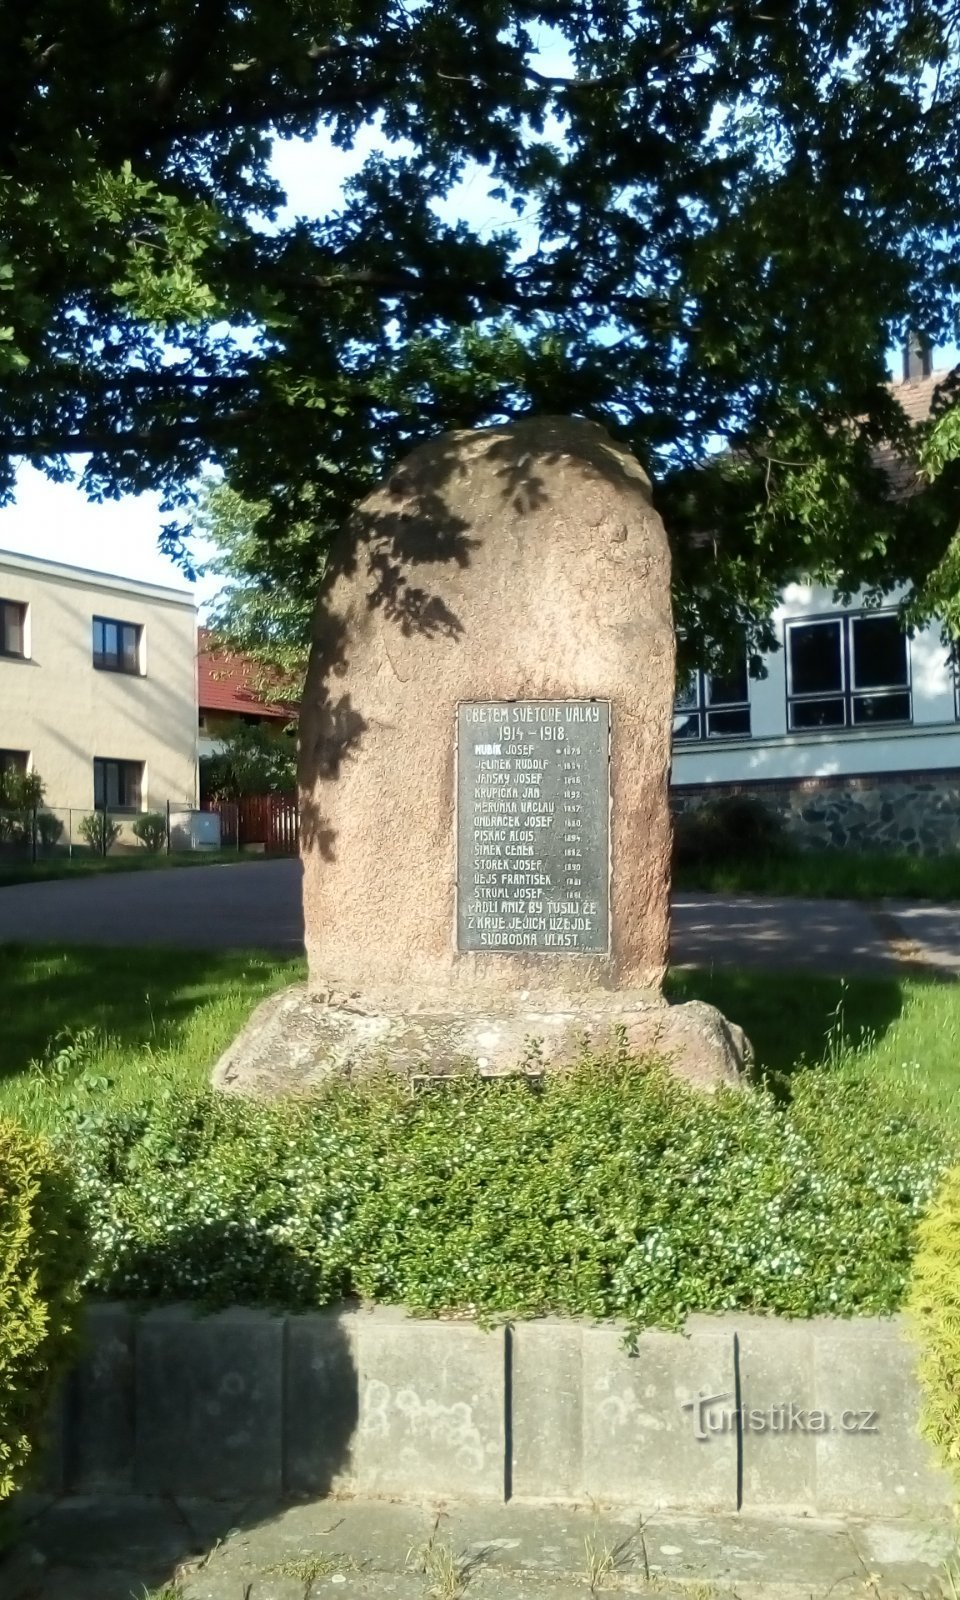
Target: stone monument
{"points": [[485, 752]]}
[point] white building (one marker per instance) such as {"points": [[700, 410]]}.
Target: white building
{"points": [[98, 686], [853, 734]]}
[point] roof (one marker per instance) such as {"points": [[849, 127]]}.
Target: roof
{"points": [[916, 397], [227, 682], [40, 567]]}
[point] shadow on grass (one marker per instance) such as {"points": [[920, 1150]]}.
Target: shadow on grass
{"points": [[135, 996], [795, 1019]]}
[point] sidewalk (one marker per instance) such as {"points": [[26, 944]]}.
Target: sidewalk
{"points": [[82, 1549]]}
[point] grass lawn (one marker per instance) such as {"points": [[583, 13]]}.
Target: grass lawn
{"points": [[103, 1025], [99, 1025], [85, 866], [830, 874]]}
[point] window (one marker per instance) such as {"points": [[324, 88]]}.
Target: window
{"points": [[116, 645], [117, 785], [848, 672], [13, 628], [713, 706], [14, 761]]}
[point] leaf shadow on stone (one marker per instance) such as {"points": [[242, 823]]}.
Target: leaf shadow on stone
{"points": [[408, 524]]}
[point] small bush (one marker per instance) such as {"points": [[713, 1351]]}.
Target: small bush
{"points": [[151, 830], [20, 794], [611, 1191], [42, 1260], [724, 829], [99, 832], [49, 829], [934, 1305]]}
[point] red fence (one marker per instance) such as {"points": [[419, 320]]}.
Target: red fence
{"points": [[270, 820]]}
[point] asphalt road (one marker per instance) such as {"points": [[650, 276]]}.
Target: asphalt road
{"points": [[257, 905]]}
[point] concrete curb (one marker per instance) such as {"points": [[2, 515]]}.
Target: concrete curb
{"points": [[736, 1413]]}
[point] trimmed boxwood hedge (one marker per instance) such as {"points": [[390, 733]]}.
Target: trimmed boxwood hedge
{"points": [[613, 1191], [934, 1304], [43, 1257]]}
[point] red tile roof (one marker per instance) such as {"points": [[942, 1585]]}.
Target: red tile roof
{"points": [[916, 398], [226, 682]]}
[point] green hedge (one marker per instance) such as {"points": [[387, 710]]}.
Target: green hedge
{"points": [[934, 1304], [611, 1191], [43, 1257]]}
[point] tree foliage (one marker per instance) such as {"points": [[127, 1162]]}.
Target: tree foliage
{"points": [[251, 760], [725, 214]]}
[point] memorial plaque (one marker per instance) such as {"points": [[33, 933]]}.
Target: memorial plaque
{"points": [[533, 826]]}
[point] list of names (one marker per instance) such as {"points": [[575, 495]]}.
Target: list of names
{"points": [[533, 801]]}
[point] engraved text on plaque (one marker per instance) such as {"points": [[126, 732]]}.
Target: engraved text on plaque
{"points": [[533, 849]]}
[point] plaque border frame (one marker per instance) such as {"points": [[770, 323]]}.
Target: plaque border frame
{"points": [[532, 699]]}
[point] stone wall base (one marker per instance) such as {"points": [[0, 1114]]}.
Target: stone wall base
{"points": [[737, 1413], [916, 812]]}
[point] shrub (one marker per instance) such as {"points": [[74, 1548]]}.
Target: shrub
{"points": [[934, 1305], [731, 827], [99, 832], [151, 830], [42, 1260], [20, 794], [611, 1191], [49, 829]]}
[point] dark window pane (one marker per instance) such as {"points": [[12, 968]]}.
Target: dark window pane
{"points": [[879, 652], [12, 615], [98, 789], [14, 761], [815, 657], [116, 645], [686, 697], [729, 724], [686, 727], [818, 713], [881, 708], [728, 688]]}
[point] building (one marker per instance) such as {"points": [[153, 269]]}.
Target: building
{"points": [[228, 697], [97, 686], [853, 735]]}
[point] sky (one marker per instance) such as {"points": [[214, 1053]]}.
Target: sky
{"points": [[57, 522]]}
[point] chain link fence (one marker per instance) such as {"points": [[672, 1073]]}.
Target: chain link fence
{"points": [[46, 832]]}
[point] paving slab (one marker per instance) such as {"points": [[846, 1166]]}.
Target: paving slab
{"points": [[360, 1550]]}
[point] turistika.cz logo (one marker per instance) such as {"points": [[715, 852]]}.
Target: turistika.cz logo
{"points": [[712, 1415]]}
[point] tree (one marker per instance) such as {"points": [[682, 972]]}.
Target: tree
{"points": [[727, 212], [264, 611], [251, 761]]}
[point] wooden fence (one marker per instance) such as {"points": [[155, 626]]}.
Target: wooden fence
{"points": [[270, 820]]}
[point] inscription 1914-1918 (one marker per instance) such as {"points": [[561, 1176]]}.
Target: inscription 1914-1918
{"points": [[533, 822]]}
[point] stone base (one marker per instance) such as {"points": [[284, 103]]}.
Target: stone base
{"points": [[295, 1040]]}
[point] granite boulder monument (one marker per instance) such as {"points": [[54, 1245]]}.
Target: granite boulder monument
{"points": [[485, 754]]}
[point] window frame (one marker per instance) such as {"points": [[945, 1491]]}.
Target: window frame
{"points": [[22, 607], [702, 708], [849, 692], [113, 661], [101, 784]]}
